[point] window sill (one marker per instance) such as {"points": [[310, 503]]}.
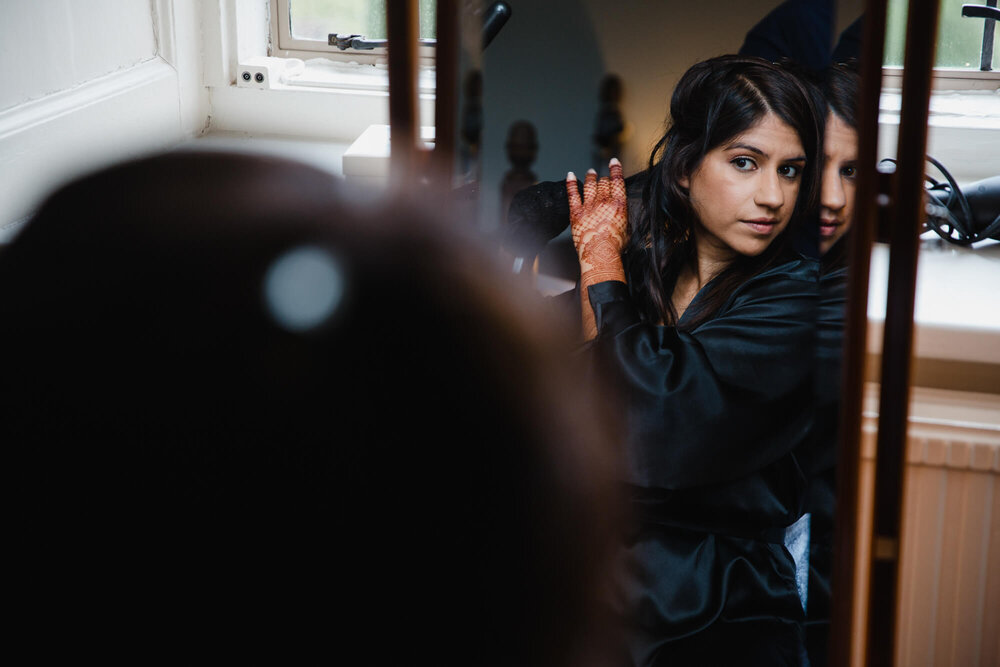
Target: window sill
{"points": [[326, 155], [975, 109], [323, 73], [946, 79], [956, 311], [328, 101], [963, 131], [367, 159]]}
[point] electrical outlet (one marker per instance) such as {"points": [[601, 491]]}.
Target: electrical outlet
{"points": [[261, 72], [253, 76]]}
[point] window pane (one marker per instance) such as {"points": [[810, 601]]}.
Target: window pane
{"points": [[960, 39], [316, 19]]}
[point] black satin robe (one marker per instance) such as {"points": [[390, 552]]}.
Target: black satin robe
{"points": [[822, 461], [718, 422]]}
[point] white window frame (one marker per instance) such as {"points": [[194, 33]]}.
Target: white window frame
{"points": [[946, 78], [285, 45]]}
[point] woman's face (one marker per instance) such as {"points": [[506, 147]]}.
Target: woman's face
{"points": [[840, 157], [744, 191]]}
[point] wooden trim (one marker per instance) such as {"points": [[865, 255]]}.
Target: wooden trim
{"points": [[402, 29], [950, 374], [904, 214], [446, 98], [846, 628]]}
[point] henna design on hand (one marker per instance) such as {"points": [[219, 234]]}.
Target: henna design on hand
{"points": [[599, 222]]}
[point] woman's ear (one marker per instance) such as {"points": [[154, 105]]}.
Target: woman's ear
{"points": [[684, 181]]}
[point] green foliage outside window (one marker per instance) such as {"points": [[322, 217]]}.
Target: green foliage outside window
{"points": [[316, 19]]}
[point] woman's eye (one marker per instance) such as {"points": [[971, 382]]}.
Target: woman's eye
{"points": [[789, 171], [744, 163], [849, 171]]}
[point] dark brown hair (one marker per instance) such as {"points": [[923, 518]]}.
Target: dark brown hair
{"points": [[840, 89], [415, 474]]}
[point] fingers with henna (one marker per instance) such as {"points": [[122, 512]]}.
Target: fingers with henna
{"points": [[573, 194], [617, 178], [590, 185], [603, 189]]}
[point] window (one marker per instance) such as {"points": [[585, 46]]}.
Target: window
{"points": [[960, 39], [959, 46], [301, 28]]}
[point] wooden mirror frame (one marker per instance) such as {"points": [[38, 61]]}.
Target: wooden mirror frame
{"points": [[899, 201]]}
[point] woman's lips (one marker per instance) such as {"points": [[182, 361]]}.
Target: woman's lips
{"points": [[828, 227], [762, 226]]}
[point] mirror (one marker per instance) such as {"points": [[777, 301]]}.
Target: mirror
{"points": [[547, 70]]}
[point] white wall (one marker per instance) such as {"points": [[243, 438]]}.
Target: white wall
{"points": [[47, 46], [84, 84]]}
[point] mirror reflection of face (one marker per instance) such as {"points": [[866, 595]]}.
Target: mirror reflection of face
{"points": [[744, 191], [840, 157]]}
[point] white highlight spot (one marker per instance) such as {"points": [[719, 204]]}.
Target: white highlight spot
{"points": [[303, 288]]}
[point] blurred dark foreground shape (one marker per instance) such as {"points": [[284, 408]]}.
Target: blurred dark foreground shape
{"points": [[247, 416]]}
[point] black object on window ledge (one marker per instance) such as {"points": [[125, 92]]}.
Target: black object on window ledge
{"points": [[960, 215]]}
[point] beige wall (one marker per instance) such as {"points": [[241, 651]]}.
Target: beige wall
{"points": [[651, 44]]}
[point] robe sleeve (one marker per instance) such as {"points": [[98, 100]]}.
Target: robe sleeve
{"points": [[723, 400]]}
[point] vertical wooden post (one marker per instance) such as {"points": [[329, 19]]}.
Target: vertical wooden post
{"points": [[843, 625], [402, 32], [906, 214], [446, 95]]}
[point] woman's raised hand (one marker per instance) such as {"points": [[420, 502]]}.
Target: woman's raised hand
{"points": [[599, 222], [600, 228]]}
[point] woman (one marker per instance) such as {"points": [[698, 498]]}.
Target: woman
{"points": [[706, 315], [840, 156]]}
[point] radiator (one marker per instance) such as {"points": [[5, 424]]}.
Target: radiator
{"points": [[949, 600]]}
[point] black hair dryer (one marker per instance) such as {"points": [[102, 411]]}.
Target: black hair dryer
{"points": [[960, 215]]}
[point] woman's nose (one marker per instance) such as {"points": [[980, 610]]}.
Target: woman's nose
{"points": [[832, 194], [770, 193]]}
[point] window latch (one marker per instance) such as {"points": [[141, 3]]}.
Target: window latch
{"points": [[494, 18], [989, 12], [362, 43]]}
